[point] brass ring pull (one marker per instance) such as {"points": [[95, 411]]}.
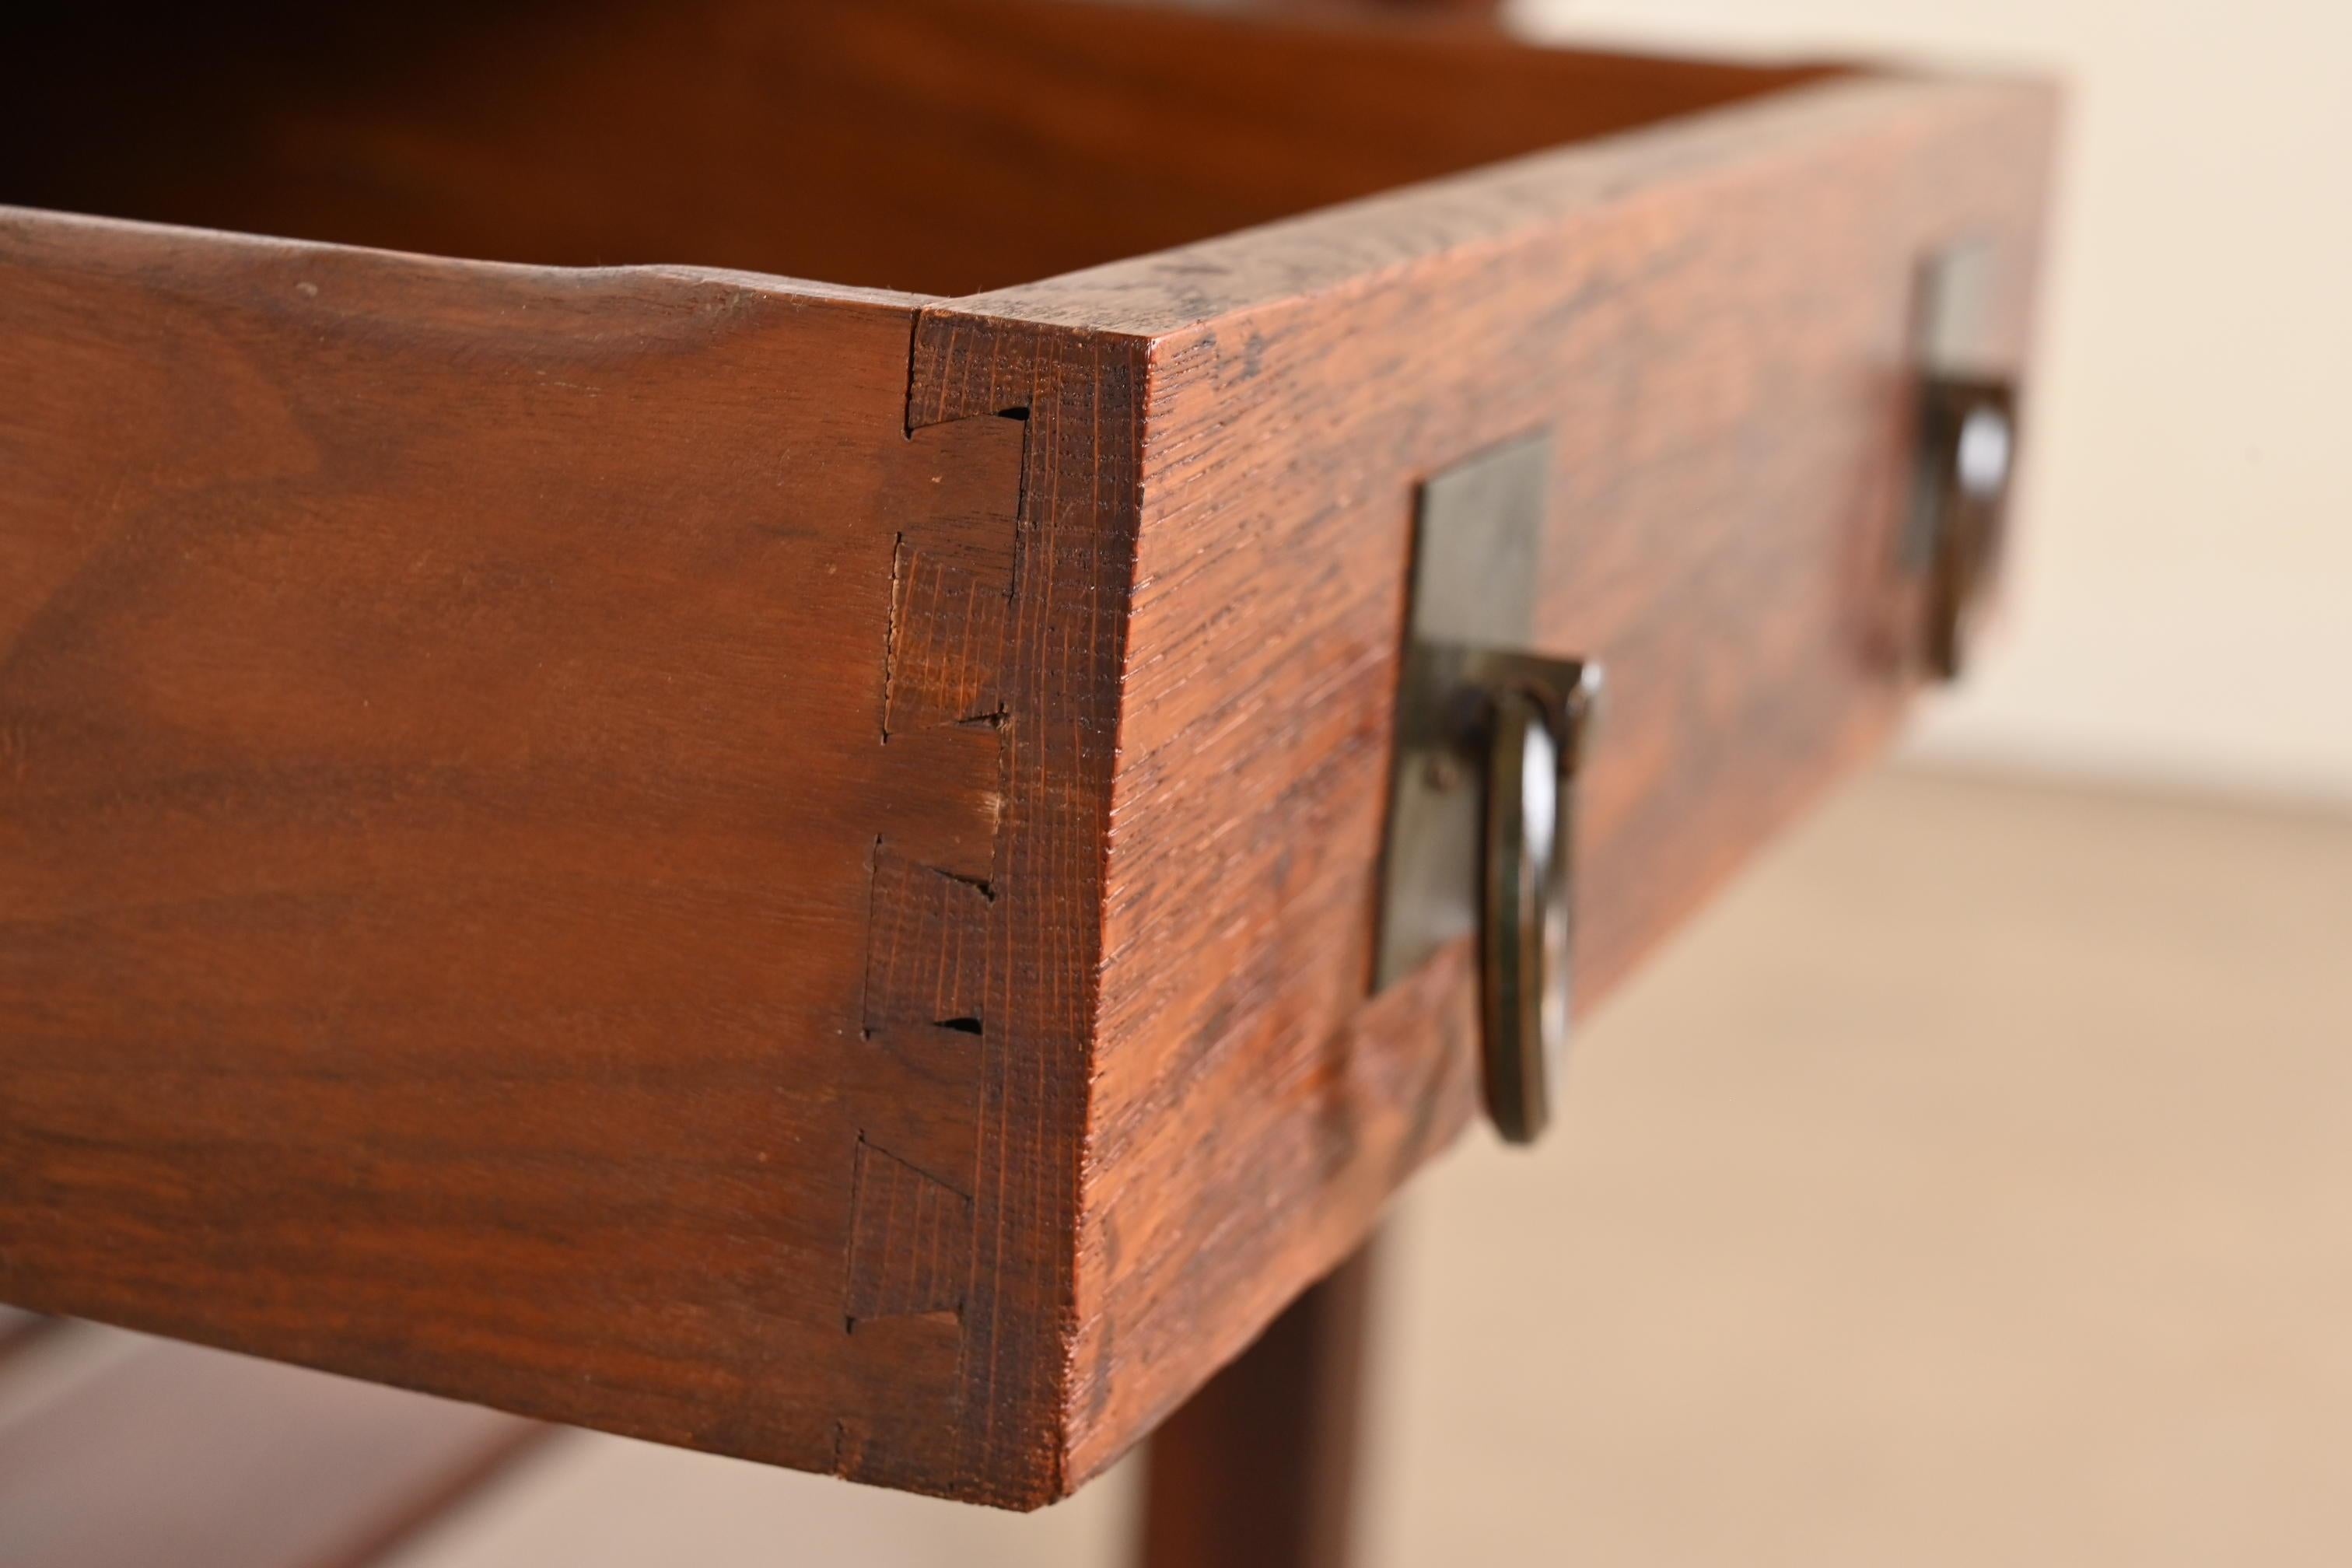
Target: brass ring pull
{"points": [[1524, 936]]}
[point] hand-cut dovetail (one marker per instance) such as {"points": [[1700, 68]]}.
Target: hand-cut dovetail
{"points": [[909, 1240], [947, 627], [925, 946]]}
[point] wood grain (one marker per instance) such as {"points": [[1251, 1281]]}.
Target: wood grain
{"points": [[1711, 319], [444, 801], [909, 1241], [1073, 567], [790, 869], [1258, 1469], [202, 1459], [940, 145]]}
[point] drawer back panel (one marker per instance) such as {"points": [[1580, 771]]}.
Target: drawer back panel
{"points": [[938, 145]]}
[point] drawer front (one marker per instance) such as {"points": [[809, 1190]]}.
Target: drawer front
{"points": [[1713, 324]]}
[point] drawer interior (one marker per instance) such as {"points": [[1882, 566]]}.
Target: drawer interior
{"points": [[937, 146]]}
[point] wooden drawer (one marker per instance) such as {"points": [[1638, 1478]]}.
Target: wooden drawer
{"points": [[792, 867]]}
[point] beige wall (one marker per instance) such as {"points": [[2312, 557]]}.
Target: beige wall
{"points": [[2181, 609]]}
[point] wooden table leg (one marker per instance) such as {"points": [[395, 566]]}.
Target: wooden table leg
{"points": [[1258, 1469]]}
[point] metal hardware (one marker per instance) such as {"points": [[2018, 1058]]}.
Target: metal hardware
{"points": [[1967, 438], [1481, 831], [1528, 925], [1967, 450]]}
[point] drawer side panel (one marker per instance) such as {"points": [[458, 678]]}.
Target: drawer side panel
{"points": [[447, 796]]}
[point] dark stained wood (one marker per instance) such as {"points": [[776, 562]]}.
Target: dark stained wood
{"points": [[925, 945], [947, 625], [943, 145], [1711, 319], [910, 1240], [792, 869], [1073, 567], [1258, 1469], [202, 1459], [444, 787]]}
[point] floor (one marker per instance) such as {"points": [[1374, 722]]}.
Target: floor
{"points": [[1972, 1184]]}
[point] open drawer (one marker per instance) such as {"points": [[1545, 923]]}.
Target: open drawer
{"points": [[793, 868]]}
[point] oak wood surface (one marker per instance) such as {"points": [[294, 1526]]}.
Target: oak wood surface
{"points": [[173, 1454], [442, 783], [941, 145], [790, 868], [1059, 687], [1712, 319]]}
